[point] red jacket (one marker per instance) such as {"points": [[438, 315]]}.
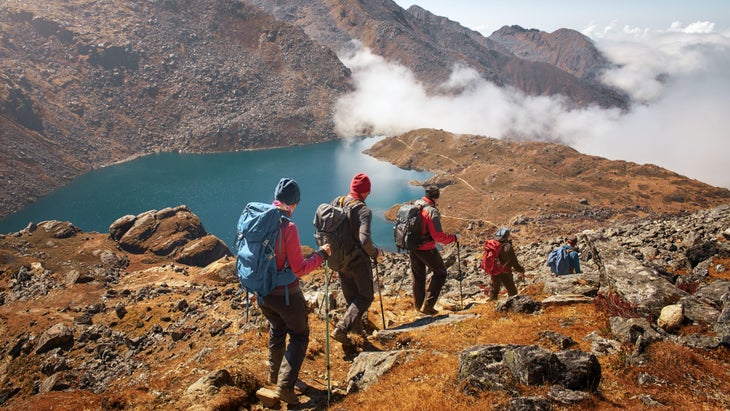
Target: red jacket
{"points": [[432, 225], [288, 249]]}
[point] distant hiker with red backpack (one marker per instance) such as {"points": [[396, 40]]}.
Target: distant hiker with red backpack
{"points": [[356, 274], [498, 261], [279, 296], [427, 255]]}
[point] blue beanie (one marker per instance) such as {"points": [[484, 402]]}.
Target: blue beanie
{"points": [[287, 191], [501, 233]]}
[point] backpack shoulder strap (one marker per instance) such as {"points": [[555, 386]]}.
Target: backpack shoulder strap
{"points": [[283, 221]]}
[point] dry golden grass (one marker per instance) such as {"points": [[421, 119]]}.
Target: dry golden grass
{"points": [[687, 379]]}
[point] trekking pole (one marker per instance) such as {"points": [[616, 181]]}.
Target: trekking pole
{"points": [[458, 263], [327, 330], [326, 296], [380, 293], [247, 305]]}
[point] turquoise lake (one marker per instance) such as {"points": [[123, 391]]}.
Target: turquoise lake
{"points": [[216, 187]]}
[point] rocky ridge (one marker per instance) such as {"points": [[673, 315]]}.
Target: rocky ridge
{"points": [[115, 322], [536, 188]]}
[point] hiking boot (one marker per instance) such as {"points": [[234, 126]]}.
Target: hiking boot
{"points": [[340, 336], [428, 310], [287, 395]]}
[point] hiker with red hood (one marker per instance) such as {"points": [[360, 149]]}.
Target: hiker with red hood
{"points": [[427, 255], [357, 279]]}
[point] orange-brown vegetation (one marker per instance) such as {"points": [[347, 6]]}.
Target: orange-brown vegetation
{"points": [[688, 379]]}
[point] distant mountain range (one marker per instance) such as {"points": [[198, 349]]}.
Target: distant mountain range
{"points": [[84, 85]]}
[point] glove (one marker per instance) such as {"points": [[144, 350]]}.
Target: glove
{"points": [[324, 251]]}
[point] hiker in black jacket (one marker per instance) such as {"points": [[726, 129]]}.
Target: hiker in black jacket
{"points": [[508, 259], [357, 280]]}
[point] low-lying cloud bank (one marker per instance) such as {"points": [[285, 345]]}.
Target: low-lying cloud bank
{"points": [[679, 80]]}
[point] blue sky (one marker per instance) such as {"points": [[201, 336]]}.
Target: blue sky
{"points": [[486, 16]]}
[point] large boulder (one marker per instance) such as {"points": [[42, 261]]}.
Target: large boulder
{"points": [[176, 233], [499, 367], [637, 284]]}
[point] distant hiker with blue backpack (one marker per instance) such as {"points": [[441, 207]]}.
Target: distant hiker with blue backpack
{"points": [[565, 259], [426, 255], [498, 261], [355, 269], [269, 264]]}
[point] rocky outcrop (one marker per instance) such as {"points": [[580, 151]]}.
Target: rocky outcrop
{"points": [[500, 367], [175, 233]]}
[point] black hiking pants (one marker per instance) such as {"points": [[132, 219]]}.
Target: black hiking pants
{"points": [[423, 294], [286, 319]]}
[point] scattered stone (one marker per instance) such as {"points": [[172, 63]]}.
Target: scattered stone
{"points": [[367, 367], [210, 383], [523, 304], [58, 336], [268, 397], [671, 317]]}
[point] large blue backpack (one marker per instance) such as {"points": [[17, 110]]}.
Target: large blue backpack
{"points": [[257, 231], [558, 261]]}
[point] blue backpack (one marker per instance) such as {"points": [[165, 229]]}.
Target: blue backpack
{"points": [[558, 261], [257, 231]]}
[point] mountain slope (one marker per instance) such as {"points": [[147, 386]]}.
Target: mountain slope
{"points": [[108, 81], [430, 45], [539, 189], [87, 324]]}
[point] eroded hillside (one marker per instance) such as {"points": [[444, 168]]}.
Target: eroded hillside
{"points": [[87, 84]]}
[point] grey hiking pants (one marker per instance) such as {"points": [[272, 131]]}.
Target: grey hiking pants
{"points": [[357, 288], [420, 259], [286, 319]]}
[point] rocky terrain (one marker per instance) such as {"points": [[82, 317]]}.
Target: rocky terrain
{"points": [[87, 84], [150, 316]]}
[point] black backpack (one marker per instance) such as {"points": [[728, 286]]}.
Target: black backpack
{"points": [[408, 227], [332, 225]]}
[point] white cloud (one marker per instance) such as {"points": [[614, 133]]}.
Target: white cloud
{"points": [[679, 80]]}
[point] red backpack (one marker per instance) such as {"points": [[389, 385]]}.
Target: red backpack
{"points": [[490, 259]]}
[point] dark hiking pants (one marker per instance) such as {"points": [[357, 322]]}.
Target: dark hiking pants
{"points": [[423, 294], [286, 319], [498, 281], [357, 288]]}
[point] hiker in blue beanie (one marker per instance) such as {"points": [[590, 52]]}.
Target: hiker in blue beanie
{"points": [[285, 307]]}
